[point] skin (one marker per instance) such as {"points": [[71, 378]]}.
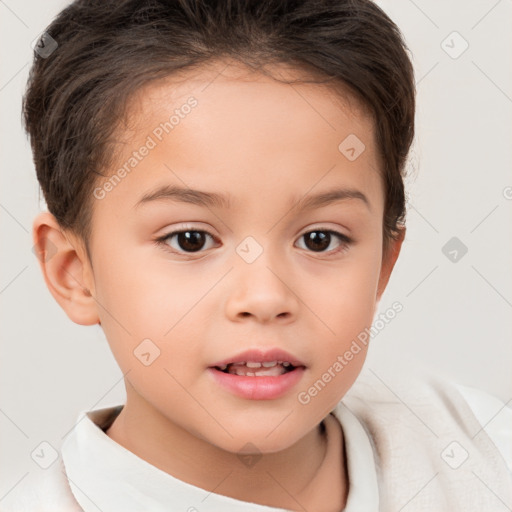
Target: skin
{"points": [[266, 144]]}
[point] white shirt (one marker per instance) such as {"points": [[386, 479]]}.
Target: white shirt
{"points": [[101, 475]]}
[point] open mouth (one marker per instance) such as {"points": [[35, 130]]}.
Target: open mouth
{"points": [[259, 374], [257, 369]]}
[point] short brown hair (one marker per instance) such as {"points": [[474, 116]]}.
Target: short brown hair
{"points": [[107, 50]]}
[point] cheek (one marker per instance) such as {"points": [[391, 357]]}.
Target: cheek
{"points": [[144, 290], [159, 302], [345, 314], [345, 298]]}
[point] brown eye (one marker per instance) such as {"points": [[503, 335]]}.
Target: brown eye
{"points": [[319, 240], [191, 241], [187, 241]]}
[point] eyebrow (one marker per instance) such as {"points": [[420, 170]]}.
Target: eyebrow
{"points": [[185, 195], [212, 199]]}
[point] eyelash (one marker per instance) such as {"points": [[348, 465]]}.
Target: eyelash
{"points": [[345, 241]]}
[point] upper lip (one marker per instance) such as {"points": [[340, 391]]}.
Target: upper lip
{"points": [[261, 356]]}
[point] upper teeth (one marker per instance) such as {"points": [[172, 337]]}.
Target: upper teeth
{"points": [[254, 364]]}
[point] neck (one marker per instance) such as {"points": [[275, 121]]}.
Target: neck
{"points": [[284, 479]]}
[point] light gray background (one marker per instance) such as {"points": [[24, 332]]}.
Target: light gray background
{"points": [[457, 316]]}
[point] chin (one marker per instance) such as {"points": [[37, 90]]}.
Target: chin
{"points": [[259, 440]]}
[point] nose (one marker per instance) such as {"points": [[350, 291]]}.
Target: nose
{"points": [[262, 290]]}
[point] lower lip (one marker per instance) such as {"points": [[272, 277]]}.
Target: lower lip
{"points": [[258, 388]]}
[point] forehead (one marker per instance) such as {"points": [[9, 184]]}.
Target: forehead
{"points": [[244, 126], [232, 96], [199, 79]]}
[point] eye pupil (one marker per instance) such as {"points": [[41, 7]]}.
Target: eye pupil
{"points": [[191, 240], [188, 240], [320, 240]]}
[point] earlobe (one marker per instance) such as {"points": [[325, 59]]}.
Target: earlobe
{"points": [[65, 269], [388, 262]]}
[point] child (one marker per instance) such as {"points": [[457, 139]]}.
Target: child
{"points": [[274, 136]]}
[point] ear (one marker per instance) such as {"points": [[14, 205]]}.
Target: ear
{"points": [[388, 262], [66, 269]]}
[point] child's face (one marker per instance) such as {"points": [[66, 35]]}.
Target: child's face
{"points": [[257, 282]]}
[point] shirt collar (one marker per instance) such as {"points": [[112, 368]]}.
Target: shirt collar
{"points": [[103, 475]]}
